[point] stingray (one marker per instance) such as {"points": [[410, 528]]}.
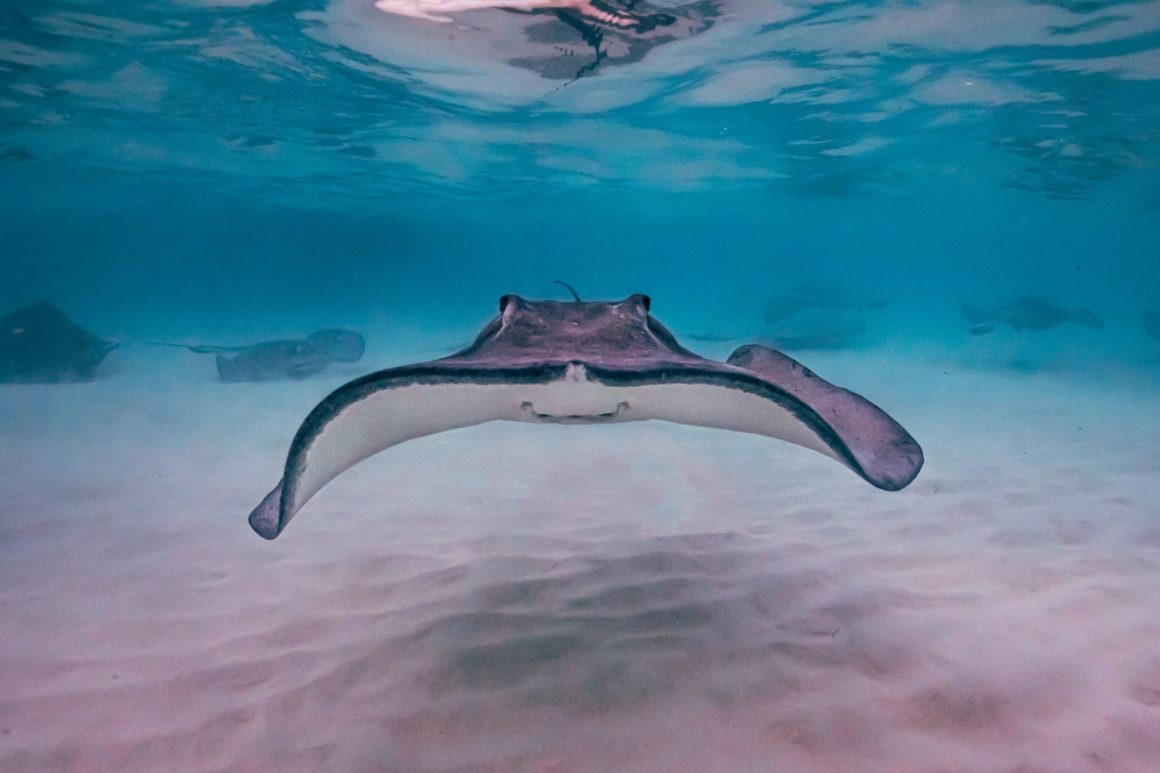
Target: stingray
{"points": [[817, 328], [1151, 320], [1028, 313], [281, 359], [808, 298], [573, 362], [40, 345]]}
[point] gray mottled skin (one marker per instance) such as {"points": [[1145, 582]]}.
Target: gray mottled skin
{"points": [[291, 358], [338, 345], [271, 360], [620, 345]]}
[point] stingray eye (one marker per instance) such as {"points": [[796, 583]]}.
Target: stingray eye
{"points": [[644, 300], [505, 301]]}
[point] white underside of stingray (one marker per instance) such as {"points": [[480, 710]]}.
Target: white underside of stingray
{"points": [[586, 363], [392, 416]]}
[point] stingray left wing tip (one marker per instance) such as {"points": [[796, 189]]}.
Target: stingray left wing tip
{"points": [[266, 518]]}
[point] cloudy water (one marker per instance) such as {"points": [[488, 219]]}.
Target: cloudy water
{"points": [[215, 212]]}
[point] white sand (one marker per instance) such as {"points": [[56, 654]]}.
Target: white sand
{"points": [[631, 598]]}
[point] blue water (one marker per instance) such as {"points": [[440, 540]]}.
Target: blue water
{"points": [[204, 165], [543, 598]]}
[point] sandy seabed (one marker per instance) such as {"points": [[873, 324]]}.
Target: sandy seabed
{"points": [[639, 597]]}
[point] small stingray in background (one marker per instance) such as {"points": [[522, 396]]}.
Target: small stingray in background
{"points": [[1028, 313], [282, 359], [1151, 319], [40, 345], [810, 297], [815, 317], [808, 317], [817, 328]]}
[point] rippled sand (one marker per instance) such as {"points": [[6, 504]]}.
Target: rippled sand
{"points": [[633, 598]]}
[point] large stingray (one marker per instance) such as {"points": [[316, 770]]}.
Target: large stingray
{"points": [[586, 363], [39, 344]]}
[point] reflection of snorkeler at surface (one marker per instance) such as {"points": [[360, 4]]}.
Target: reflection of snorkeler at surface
{"points": [[607, 12], [616, 31]]}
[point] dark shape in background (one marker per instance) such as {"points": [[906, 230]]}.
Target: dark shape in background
{"points": [[40, 345], [1151, 319], [292, 358], [815, 317], [1028, 313]]}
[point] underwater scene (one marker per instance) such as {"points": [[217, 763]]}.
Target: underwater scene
{"points": [[488, 386]]}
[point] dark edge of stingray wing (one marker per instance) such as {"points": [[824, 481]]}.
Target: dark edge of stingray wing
{"points": [[270, 517], [875, 446]]}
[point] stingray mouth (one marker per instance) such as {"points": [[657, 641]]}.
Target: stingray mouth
{"points": [[574, 418]]}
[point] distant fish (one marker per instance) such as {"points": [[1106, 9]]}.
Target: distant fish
{"points": [[40, 345], [1028, 313], [1151, 318], [272, 360]]}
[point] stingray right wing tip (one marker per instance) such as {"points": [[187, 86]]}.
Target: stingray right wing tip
{"points": [[881, 451], [266, 518], [902, 468]]}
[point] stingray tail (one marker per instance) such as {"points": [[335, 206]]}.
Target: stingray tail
{"points": [[1086, 318], [571, 289], [227, 370]]}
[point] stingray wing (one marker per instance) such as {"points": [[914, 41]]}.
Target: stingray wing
{"points": [[856, 431], [758, 391], [764, 392], [384, 409]]}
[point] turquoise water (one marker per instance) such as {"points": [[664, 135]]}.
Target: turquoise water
{"points": [[174, 168], [838, 180]]}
